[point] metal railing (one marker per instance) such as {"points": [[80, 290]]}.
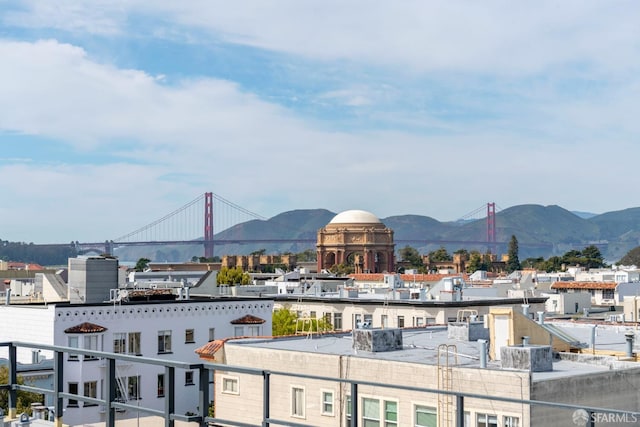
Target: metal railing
{"points": [[112, 403]]}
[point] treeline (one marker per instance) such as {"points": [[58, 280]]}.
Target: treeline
{"points": [[36, 254], [589, 257]]}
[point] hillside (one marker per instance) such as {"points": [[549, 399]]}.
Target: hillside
{"points": [[541, 231]]}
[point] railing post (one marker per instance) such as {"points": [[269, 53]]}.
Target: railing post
{"points": [[459, 410], [266, 376], [354, 405], [58, 383], [203, 395], [170, 399], [13, 381], [110, 385]]}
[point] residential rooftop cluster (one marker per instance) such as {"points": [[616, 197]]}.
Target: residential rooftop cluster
{"points": [[567, 338]]}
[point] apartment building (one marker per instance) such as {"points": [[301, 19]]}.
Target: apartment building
{"points": [[148, 322]]}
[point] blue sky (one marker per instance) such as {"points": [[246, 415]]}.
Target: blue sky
{"points": [[114, 114]]}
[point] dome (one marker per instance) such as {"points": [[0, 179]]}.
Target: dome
{"points": [[355, 217]]}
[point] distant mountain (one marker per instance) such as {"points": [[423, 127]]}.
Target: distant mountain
{"points": [[584, 215], [541, 231]]}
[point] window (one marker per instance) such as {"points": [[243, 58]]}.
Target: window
{"points": [[370, 412], [425, 416], [238, 331], [212, 334], [90, 390], [400, 321], [126, 343], [188, 378], [607, 294], [419, 321], [510, 421], [160, 385], [254, 331], [312, 315], [486, 420], [188, 336], [73, 389], [133, 387], [326, 402], [119, 342], [337, 321], [297, 402], [72, 341], [347, 411], [357, 321], [164, 342], [230, 385], [134, 343], [390, 414], [368, 320], [374, 411], [90, 343], [384, 321]]}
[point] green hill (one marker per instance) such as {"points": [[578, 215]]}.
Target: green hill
{"points": [[540, 230]]}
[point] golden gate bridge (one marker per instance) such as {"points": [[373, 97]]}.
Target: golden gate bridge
{"points": [[209, 214]]}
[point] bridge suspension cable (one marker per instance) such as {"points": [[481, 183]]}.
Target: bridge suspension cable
{"points": [[187, 222]]}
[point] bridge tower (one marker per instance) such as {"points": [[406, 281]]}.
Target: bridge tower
{"points": [[491, 225], [208, 225]]}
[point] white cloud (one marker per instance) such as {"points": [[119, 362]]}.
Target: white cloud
{"points": [[493, 37], [175, 139]]}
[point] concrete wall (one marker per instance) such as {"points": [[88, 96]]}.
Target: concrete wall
{"points": [[479, 381], [617, 389], [565, 303], [91, 279], [517, 326], [631, 307]]}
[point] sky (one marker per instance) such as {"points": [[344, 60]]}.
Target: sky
{"points": [[116, 113]]}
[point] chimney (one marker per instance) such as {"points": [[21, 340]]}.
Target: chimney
{"points": [[541, 317], [525, 309]]}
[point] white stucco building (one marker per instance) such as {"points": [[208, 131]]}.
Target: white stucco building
{"points": [[151, 324]]}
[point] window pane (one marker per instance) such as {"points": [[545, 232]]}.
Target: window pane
{"points": [[426, 416], [134, 343], [371, 408], [390, 411]]}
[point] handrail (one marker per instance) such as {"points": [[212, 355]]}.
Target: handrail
{"points": [[202, 418]]}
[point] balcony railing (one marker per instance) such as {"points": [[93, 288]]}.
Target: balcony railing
{"points": [[111, 404]]}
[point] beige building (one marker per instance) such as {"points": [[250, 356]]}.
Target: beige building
{"points": [[393, 309], [356, 238], [426, 358]]}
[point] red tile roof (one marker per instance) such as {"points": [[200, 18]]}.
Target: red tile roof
{"points": [[85, 328], [248, 320], [584, 285]]}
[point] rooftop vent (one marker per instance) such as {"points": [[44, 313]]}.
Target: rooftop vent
{"points": [[377, 340]]}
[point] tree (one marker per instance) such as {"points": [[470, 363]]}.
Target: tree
{"points": [[478, 261], [513, 263], [593, 257], [232, 276], [142, 264], [341, 269], [411, 255], [306, 256], [631, 258], [283, 322], [440, 255], [24, 398]]}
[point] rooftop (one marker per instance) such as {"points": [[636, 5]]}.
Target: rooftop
{"points": [[421, 345]]}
